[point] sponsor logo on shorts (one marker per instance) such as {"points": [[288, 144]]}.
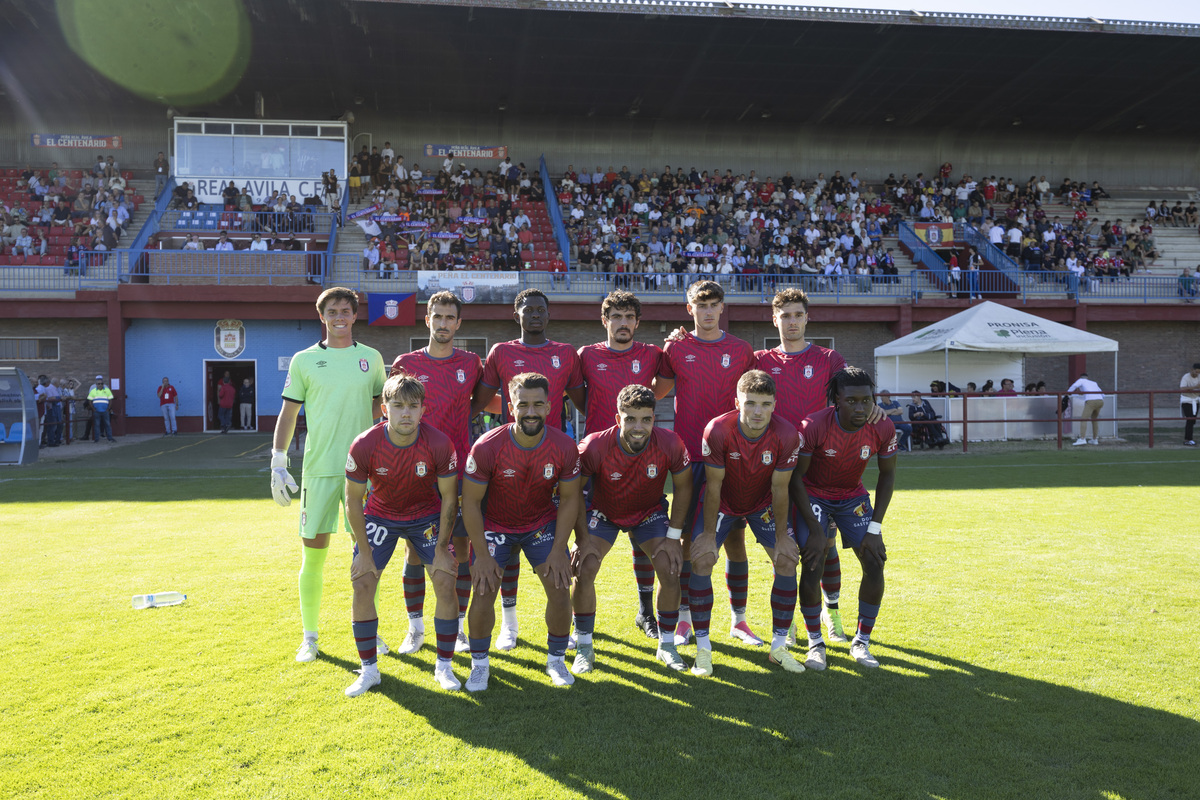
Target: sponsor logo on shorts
{"points": [[430, 533], [808, 370], [421, 469], [542, 536], [351, 465], [865, 453], [862, 509]]}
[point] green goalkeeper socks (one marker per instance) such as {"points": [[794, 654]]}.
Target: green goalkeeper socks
{"points": [[312, 570]]}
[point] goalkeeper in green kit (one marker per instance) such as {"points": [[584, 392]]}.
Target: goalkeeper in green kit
{"points": [[339, 382]]}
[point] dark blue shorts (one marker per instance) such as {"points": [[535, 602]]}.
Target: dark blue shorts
{"points": [[762, 522], [385, 534], [851, 517], [536, 544], [652, 527]]}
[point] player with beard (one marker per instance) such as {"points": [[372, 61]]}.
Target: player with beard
{"points": [[609, 367], [559, 364], [629, 464], [520, 466]]}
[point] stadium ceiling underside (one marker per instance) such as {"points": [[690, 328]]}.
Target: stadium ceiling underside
{"points": [[679, 63]]}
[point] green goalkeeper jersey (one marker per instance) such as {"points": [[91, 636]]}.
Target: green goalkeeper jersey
{"points": [[336, 386]]}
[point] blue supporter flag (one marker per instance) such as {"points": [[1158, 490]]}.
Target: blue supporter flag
{"points": [[392, 308]]}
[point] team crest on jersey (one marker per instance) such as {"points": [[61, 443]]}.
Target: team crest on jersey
{"points": [[865, 453], [636, 367], [808, 370], [555, 362], [363, 365], [471, 464], [767, 458], [548, 472], [462, 376], [351, 465], [652, 471], [725, 360], [421, 469]]}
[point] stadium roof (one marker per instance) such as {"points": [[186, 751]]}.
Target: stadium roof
{"points": [[690, 63]]}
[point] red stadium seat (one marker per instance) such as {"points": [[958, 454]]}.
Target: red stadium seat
{"points": [[16, 261]]}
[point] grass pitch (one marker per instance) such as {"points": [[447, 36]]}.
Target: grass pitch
{"points": [[1037, 640]]}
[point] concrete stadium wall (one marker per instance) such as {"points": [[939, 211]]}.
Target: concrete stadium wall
{"points": [[1129, 161]]}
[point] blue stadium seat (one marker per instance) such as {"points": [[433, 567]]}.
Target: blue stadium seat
{"points": [[1, 431], [16, 433]]}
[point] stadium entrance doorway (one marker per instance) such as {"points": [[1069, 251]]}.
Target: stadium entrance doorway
{"points": [[214, 372]]}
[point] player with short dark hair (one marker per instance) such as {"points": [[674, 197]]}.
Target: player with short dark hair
{"points": [[559, 364], [629, 464], [704, 366], [836, 443], [802, 371], [519, 466], [452, 382], [608, 368], [749, 454], [338, 381], [412, 469]]}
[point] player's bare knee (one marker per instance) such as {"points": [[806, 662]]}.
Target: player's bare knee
{"points": [[872, 572], [443, 582], [364, 585], [589, 568], [703, 565]]}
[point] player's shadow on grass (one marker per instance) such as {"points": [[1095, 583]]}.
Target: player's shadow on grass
{"points": [[923, 725]]}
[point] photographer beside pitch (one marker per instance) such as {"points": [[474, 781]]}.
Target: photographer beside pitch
{"points": [[835, 445]]}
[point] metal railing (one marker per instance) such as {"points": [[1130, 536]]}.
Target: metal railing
{"points": [[213, 222]]}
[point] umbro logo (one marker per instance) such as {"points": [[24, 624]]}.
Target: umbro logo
{"points": [[508, 473], [831, 453], [321, 364]]}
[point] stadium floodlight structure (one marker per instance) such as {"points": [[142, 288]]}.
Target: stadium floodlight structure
{"points": [[737, 10]]}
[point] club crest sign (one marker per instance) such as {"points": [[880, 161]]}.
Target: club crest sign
{"points": [[229, 338]]}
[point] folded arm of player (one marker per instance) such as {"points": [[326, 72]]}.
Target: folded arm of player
{"points": [[442, 559], [485, 572], [557, 565], [787, 552], [364, 560], [704, 547], [873, 550], [813, 552]]}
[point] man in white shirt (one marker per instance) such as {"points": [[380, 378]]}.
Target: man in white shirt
{"points": [[1093, 401], [223, 244], [1189, 402], [258, 244], [193, 243]]}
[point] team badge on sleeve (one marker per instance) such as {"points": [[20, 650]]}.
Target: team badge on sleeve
{"points": [[548, 472], [652, 471], [351, 466], [865, 453], [705, 450], [363, 365], [287, 381], [421, 469], [471, 464]]}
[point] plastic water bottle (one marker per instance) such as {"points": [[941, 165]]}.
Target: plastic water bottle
{"points": [[159, 599]]}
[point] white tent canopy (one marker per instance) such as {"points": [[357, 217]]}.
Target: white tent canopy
{"points": [[986, 342], [991, 327]]}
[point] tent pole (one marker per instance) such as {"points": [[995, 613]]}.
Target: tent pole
{"points": [[1117, 397]]}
